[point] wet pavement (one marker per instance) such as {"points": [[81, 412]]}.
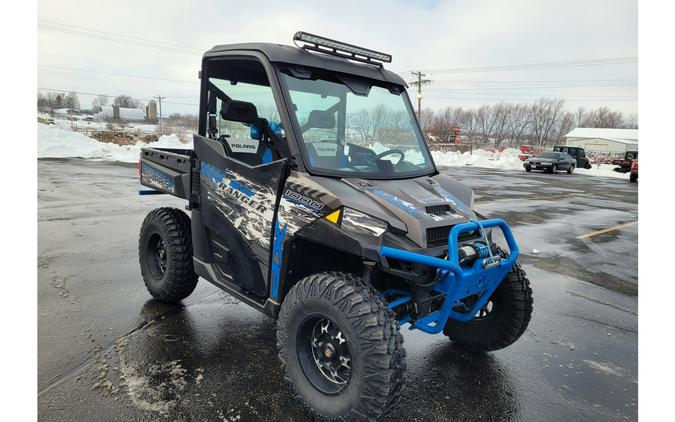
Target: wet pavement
{"points": [[107, 352]]}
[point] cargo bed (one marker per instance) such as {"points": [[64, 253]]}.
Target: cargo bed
{"points": [[170, 170]]}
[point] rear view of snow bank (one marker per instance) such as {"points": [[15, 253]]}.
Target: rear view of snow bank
{"points": [[55, 142], [507, 159]]}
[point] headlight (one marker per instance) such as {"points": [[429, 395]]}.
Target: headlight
{"points": [[360, 223]]}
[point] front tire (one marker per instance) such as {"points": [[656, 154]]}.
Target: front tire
{"points": [[340, 348], [508, 314], [528, 169], [165, 255], [570, 170], [554, 168]]}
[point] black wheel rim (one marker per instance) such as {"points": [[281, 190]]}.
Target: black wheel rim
{"points": [[323, 352], [156, 256]]}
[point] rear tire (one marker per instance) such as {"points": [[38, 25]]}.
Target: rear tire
{"points": [[165, 255], [570, 170], [368, 338], [506, 321]]}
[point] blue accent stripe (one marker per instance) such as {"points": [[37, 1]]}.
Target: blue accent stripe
{"points": [[267, 156], [277, 255], [150, 192]]}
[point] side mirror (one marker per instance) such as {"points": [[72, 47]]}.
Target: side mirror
{"points": [[239, 111]]}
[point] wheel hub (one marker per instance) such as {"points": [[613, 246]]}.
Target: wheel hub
{"points": [[330, 355]]}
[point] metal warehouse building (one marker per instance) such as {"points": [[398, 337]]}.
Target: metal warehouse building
{"points": [[609, 141]]}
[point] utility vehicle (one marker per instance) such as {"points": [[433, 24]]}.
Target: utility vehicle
{"points": [[313, 198], [578, 153], [624, 164]]}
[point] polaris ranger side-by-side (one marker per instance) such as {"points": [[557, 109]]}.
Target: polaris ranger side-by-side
{"points": [[314, 199]]}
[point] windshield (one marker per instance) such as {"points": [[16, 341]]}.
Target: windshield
{"points": [[349, 128], [548, 155]]}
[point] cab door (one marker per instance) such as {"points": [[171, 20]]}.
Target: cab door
{"points": [[243, 162], [238, 210]]}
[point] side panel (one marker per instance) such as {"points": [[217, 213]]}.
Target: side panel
{"points": [[237, 210], [301, 203]]}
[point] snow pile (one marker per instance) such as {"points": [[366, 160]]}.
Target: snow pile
{"points": [[507, 159], [605, 170], [60, 142]]}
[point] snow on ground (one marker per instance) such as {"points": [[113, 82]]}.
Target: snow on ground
{"points": [[508, 160], [60, 142]]}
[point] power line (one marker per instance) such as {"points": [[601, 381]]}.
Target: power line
{"points": [[542, 65], [491, 88], [534, 97], [126, 75], [119, 38], [521, 81]]}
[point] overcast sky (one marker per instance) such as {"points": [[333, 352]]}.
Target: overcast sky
{"points": [[436, 36]]}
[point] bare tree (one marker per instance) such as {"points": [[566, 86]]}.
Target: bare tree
{"points": [[545, 114], [369, 122], [565, 125], [126, 101], [500, 114], [485, 122], [604, 117], [579, 115], [71, 101], [631, 121], [99, 102]]}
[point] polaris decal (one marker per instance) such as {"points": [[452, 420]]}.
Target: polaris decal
{"points": [[157, 179], [243, 145]]}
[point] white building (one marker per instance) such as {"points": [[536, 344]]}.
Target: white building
{"points": [[608, 141]]}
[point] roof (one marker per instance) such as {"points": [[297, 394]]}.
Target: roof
{"points": [[618, 135], [278, 53]]}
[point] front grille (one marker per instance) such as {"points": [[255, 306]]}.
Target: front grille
{"points": [[438, 236], [438, 209]]}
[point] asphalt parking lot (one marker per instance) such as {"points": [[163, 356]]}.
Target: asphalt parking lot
{"points": [[108, 352]]}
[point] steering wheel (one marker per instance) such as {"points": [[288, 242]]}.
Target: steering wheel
{"points": [[389, 152]]}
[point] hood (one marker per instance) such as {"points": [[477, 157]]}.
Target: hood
{"points": [[428, 206]]}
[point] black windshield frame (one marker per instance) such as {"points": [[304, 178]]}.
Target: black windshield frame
{"points": [[282, 70]]}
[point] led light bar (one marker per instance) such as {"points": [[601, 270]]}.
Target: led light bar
{"points": [[340, 49]]}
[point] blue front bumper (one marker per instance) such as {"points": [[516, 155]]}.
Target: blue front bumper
{"points": [[457, 282]]}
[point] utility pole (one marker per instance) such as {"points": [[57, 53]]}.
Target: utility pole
{"points": [[418, 83], [161, 125]]}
